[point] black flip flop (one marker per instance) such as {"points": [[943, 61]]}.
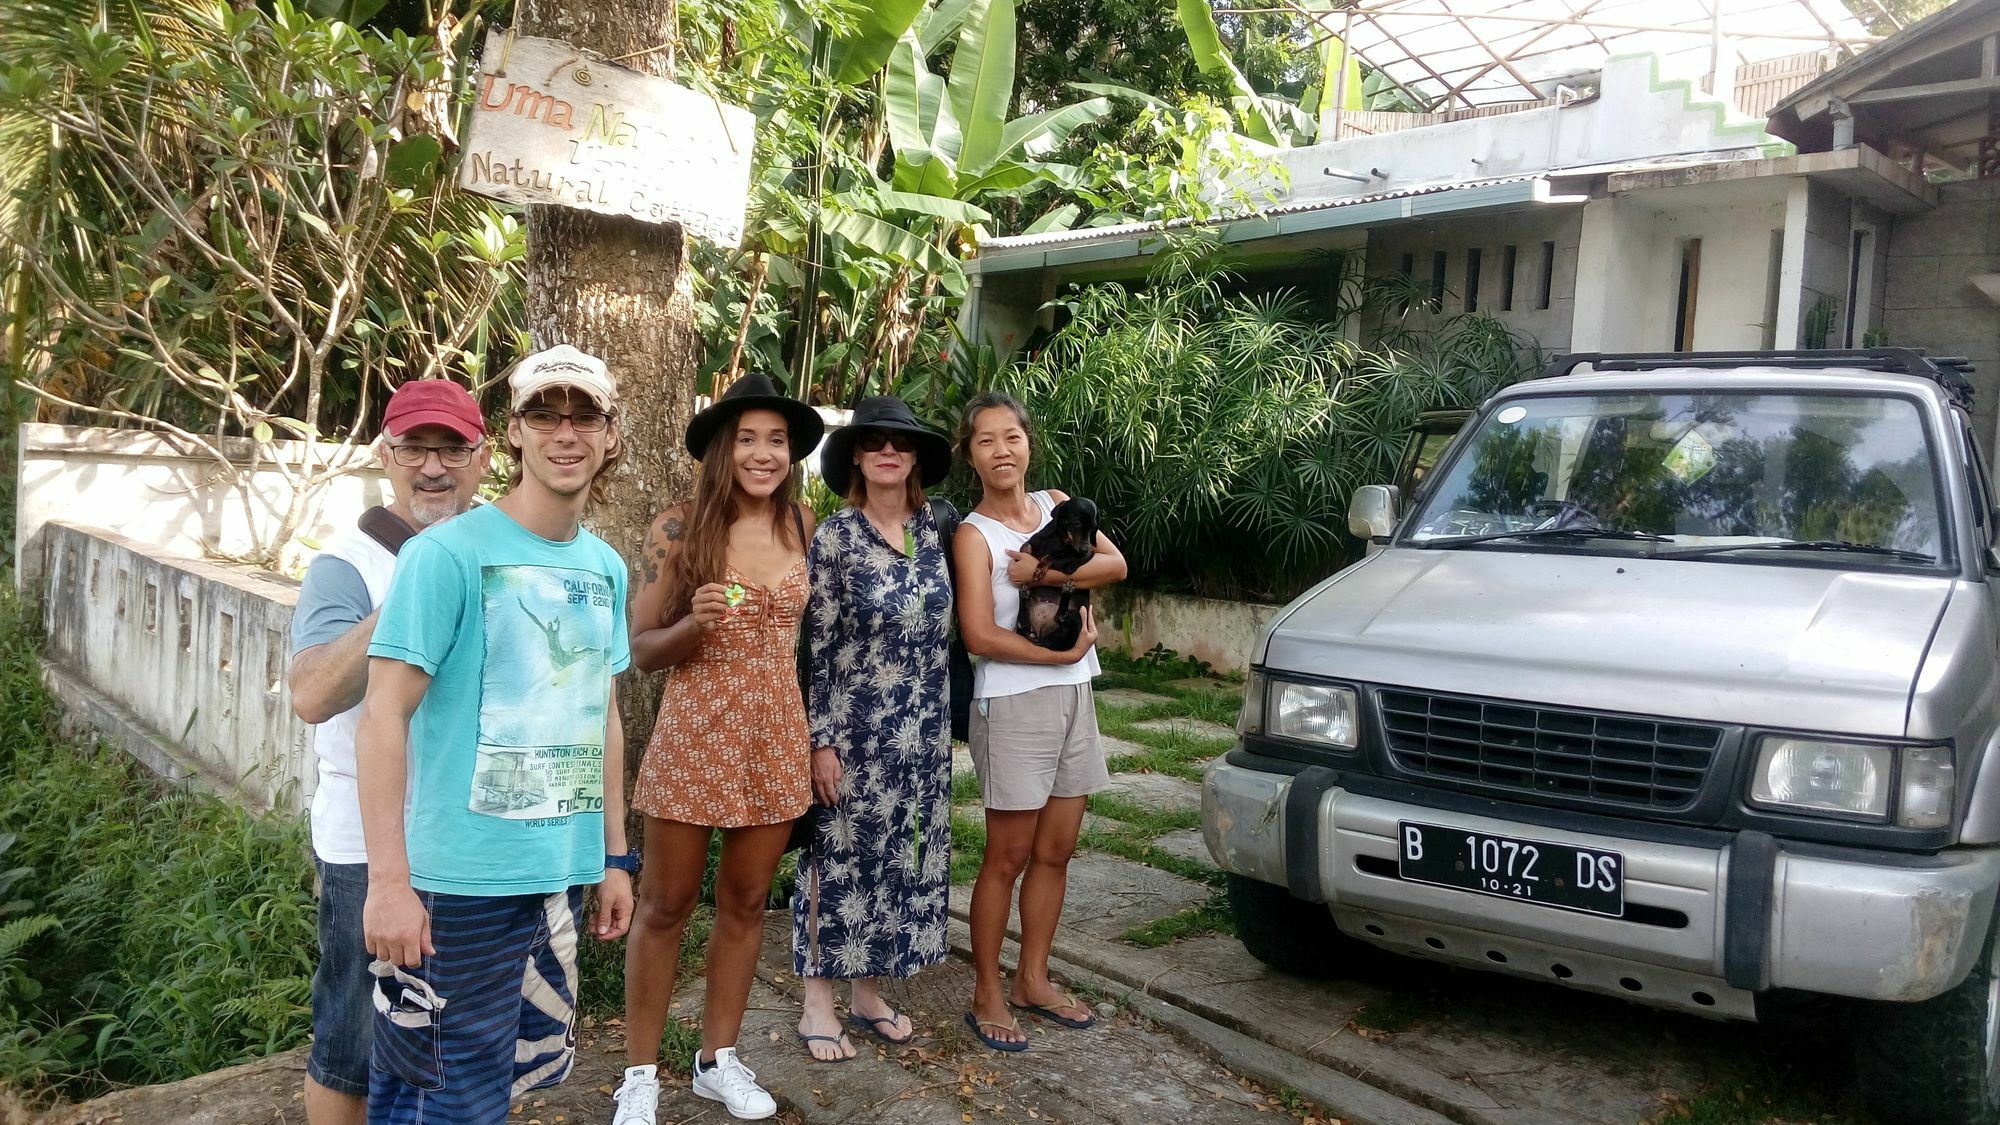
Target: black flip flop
{"points": [[874, 1027], [975, 1023], [809, 1040], [1049, 1013]]}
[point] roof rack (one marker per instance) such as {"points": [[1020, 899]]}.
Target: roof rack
{"points": [[1949, 372]]}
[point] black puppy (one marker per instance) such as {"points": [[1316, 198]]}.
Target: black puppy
{"points": [[1051, 616]]}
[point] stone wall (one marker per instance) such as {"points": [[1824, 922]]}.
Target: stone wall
{"points": [[1223, 633], [1930, 300], [182, 662]]}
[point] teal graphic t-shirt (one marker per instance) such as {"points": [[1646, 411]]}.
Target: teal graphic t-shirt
{"points": [[521, 636]]}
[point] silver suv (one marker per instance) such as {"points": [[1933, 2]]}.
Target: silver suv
{"points": [[1674, 680]]}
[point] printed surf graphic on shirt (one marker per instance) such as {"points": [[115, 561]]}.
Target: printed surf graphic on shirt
{"points": [[543, 695]]}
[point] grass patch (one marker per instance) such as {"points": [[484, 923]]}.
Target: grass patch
{"points": [[965, 789], [1298, 1105], [1144, 819], [1211, 917], [968, 847], [1139, 849], [1169, 752], [679, 1041], [1210, 706]]}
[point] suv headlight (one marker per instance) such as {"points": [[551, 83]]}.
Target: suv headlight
{"points": [[1855, 779], [1321, 713]]}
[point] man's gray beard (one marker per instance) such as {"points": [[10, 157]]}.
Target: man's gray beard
{"points": [[429, 509]]}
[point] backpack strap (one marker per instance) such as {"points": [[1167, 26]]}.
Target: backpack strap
{"points": [[387, 528]]}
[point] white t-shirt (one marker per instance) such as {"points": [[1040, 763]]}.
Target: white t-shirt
{"points": [[345, 583], [994, 678]]}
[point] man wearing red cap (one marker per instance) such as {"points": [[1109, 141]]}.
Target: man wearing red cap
{"points": [[433, 450]]}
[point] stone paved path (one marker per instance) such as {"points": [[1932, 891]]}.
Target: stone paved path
{"points": [[1146, 936], [1479, 1048]]}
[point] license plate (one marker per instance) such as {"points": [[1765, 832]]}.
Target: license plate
{"points": [[1555, 875]]}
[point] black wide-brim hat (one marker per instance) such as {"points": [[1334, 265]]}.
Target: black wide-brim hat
{"points": [[755, 391], [890, 415]]}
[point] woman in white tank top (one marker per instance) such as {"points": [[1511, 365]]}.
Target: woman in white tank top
{"points": [[1033, 731]]}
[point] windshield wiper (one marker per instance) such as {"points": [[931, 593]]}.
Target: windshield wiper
{"points": [[1572, 532], [1804, 545]]}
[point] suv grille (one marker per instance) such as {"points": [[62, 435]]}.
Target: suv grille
{"points": [[1583, 755]]}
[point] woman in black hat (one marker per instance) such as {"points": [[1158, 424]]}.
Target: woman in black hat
{"points": [[871, 893], [721, 590]]}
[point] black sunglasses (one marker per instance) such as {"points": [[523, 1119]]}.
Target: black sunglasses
{"points": [[872, 441]]}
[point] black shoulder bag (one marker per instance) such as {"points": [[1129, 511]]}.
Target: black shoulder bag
{"points": [[806, 828], [958, 662]]}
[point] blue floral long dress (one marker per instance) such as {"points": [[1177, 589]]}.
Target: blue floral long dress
{"points": [[873, 884]]}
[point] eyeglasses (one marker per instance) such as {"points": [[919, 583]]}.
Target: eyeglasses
{"points": [[872, 441], [587, 422], [450, 456]]}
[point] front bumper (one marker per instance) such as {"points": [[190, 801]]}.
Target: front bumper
{"points": [[1718, 924]]}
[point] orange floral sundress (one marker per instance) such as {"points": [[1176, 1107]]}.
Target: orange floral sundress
{"points": [[731, 748]]}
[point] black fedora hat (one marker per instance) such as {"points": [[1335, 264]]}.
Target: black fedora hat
{"points": [[755, 391], [890, 415]]}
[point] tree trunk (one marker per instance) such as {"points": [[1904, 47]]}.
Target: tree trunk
{"points": [[618, 289]]}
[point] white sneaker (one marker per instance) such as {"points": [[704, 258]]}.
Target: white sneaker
{"points": [[638, 1097], [734, 1085]]}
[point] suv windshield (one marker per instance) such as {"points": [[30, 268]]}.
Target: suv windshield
{"points": [[1846, 473]]}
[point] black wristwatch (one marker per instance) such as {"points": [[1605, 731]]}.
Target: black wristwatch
{"points": [[628, 863]]}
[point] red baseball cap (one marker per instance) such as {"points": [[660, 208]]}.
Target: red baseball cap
{"points": [[434, 402]]}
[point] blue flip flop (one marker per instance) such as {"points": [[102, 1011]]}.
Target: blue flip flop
{"points": [[809, 1040], [874, 1027], [1048, 1012], [977, 1024]]}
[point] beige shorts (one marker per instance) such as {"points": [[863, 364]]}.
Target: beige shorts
{"points": [[1039, 744]]}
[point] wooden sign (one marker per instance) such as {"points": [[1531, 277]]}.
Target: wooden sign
{"points": [[555, 124]]}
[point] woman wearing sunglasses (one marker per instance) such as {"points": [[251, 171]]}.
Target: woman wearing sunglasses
{"points": [[871, 892]]}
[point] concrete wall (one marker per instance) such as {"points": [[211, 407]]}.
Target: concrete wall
{"points": [[1004, 309], [1636, 116], [1526, 231], [180, 661], [1630, 262], [1930, 299], [1221, 632], [1828, 254], [178, 500]]}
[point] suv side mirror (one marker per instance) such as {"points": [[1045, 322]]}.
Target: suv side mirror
{"points": [[1372, 513]]}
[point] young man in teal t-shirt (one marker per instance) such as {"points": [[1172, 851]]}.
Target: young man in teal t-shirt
{"points": [[491, 769]]}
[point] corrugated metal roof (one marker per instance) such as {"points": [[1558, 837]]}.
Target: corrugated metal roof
{"points": [[1478, 52], [1121, 230]]}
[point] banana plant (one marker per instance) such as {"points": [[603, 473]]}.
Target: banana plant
{"points": [[1256, 115], [952, 137], [1269, 118]]}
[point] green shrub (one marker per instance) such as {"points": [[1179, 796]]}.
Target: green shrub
{"points": [[26, 1052], [1222, 435], [183, 936]]}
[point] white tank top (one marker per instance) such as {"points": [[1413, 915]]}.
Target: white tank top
{"points": [[995, 678], [336, 801]]}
